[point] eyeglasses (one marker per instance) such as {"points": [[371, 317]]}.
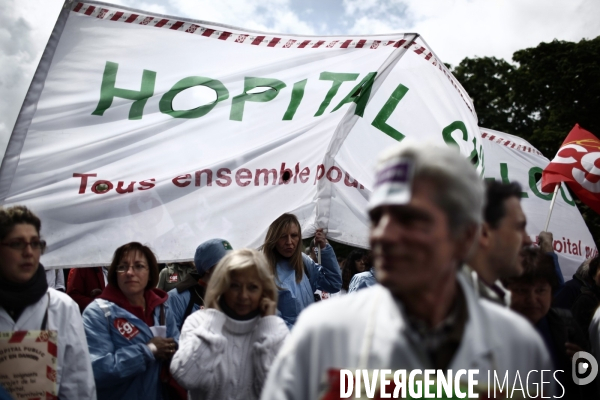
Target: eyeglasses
{"points": [[121, 269], [20, 245]]}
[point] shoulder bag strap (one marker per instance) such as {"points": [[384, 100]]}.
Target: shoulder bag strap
{"points": [[161, 320], [45, 320], [104, 307]]}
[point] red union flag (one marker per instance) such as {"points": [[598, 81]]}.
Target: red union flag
{"points": [[575, 164]]}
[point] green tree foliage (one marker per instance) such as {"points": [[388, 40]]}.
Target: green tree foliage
{"points": [[557, 85], [540, 96], [487, 81]]}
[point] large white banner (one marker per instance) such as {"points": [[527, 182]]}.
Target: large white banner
{"points": [[509, 158], [144, 127]]}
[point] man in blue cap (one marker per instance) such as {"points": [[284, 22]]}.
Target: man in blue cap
{"points": [[188, 295]]}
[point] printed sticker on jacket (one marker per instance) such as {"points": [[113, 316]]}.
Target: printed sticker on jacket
{"points": [[173, 278], [126, 328]]}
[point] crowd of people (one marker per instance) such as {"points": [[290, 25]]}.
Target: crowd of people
{"points": [[452, 281]]}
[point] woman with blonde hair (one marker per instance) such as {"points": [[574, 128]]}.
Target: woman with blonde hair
{"points": [[297, 276], [226, 349]]}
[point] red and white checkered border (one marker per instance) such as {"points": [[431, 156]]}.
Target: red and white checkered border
{"points": [[508, 143], [252, 39], [260, 40]]}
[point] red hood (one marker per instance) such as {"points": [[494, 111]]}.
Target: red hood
{"points": [[154, 297]]}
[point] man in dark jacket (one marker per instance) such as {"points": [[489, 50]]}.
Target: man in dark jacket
{"points": [[588, 301], [565, 297]]}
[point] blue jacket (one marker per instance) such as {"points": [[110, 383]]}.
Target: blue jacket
{"points": [[178, 303], [295, 297], [4, 394], [362, 280], [124, 368]]}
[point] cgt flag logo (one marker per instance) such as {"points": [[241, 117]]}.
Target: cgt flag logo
{"points": [[584, 367], [577, 163]]}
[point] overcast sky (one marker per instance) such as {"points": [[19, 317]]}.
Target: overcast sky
{"points": [[454, 29]]}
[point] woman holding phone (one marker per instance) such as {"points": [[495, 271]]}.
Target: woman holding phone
{"points": [[226, 349]]}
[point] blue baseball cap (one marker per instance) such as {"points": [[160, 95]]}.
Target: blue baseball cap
{"points": [[209, 253]]}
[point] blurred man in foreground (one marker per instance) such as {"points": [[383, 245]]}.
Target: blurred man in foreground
{"points": [[426, 211]]}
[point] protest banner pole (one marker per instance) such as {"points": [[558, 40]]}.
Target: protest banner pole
{"points": [[551, 206], [318, 253]]}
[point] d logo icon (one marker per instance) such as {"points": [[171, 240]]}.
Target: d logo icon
{"points": [[580, 369]]}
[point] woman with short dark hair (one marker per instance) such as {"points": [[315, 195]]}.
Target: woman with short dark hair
{"points": [[130, 330], [355, 264], [28, 304], [144, 252]]}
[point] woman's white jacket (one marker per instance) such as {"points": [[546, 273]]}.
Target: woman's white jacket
{"points": [[74, 376], [221, 358]]}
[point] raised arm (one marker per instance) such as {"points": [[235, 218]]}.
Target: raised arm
{"points": [[545, 242], [198, 364], [326, 277]]}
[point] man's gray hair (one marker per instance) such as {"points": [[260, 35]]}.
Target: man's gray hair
{"points": [[460, 190]]}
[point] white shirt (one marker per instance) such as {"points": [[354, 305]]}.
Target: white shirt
{"points": [[56, 279], [222, 358], [367, 330], [74, 376]]}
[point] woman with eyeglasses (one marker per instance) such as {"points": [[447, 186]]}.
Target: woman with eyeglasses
{"points": [[130, 331], [27, 304]]}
